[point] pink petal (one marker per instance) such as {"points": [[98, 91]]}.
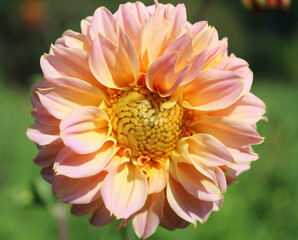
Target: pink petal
{"points": [[60, 100], [48, 153], [154, 38], [162, 76], [47, 173], [44, 117], [80, 210], [196, 183], [243, 155], [157, 179], [248, 108], [77, 191], [125, 190], [170, 220], [43, 134], [101, 216], [231, 133], [177, 21], [85, 130], [201, 34], [104, 23], [212, 90], [148, 218], [186, 205], [204, 148], [67, 62], [131, 25], [140, 11], [115, 66], [71, 164]]}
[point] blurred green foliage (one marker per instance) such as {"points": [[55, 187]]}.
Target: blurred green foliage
{"points": [[262, 206]]}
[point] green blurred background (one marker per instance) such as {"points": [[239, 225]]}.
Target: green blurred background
{"points": [[263, 205]]}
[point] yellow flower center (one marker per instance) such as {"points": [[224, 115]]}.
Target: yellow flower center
{"points": [[140, 123]]}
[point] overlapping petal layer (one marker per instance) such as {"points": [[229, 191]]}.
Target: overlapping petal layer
{"points": [[186, 122]]}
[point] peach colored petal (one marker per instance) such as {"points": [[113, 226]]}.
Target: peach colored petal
{"points": [[47, 174], [140, 11], [85, 130], [148, 218], [202, 148], [201, 34], [230, 132], [170, 220], [248, 108], [243, 155], [212, 90], [101, 216], [240, 67], [117, 160], [115, 66], [130, 24], [186, 205], [43, 134], [124, 190], [67, 62], [183, 46], [77, 191], [80, 210], [154, 38], [157, 178], [59, 100], [43, 116], [71, 164], [104, 23], [162, 76], [48, 153], [177, 20], [196, 183]]}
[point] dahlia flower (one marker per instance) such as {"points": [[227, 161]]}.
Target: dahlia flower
{"points": [[267, 4], [144, 116]]}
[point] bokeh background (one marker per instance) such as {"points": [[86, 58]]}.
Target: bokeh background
{"points": [[263, 205]]}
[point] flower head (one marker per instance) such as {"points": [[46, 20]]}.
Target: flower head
{"points": [[144, 116], [267, 4]]}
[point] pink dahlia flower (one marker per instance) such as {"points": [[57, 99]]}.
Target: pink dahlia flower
{"points": [[144, 116], [267, 4]]}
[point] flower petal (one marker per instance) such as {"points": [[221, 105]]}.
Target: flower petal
{"points": [[203, 148], [43, 134], [170, 220], [80, 210], [186, 205], [43, 116], [104, 23], [248, 108], [67, 62], [101, 216], [148, 218], [47, 154], [196, 183], [124, 191], [231, 133], [71, 164], [131, 25], [60, 100], [157, 178], [212, 90], [77, 191], [85, 130], [114, 65], [162, 76]]}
